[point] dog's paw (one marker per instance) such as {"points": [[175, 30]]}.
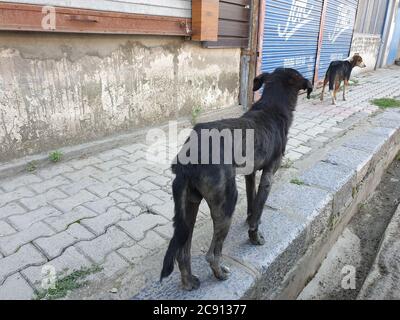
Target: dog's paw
{"points": [[193, 283], [222, 273], [256, 238]]}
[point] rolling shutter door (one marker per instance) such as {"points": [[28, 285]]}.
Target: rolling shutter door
{"points": [[290, 37], [338, 33]]}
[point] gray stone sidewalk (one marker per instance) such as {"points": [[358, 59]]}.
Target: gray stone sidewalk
{"points": [[114, 208]]}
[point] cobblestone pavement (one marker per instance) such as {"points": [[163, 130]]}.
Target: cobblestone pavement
{"points": [[115, 207]]}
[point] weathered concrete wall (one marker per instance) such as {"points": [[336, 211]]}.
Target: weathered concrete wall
{"points": [[58, 90], [367, 45]]}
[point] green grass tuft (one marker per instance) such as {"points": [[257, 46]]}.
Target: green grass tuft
{"points": [[67, 284], [55, 156], [32, 166], [297, 181], [385, 103], [195, 114]]}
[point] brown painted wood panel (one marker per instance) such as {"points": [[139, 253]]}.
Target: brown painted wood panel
{"points": [[239, 2], [205, 15], [232, 12], [233, 25], [23, 17]]}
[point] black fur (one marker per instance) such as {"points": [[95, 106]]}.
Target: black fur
{"points": [[271, 118]]}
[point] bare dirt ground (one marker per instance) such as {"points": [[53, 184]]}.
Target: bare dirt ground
{"points": [[359, 243]]}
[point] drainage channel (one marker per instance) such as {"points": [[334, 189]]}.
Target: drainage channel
{"points": [[348, 263]]}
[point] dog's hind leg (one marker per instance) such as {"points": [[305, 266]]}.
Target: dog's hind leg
{"points": [[221, 214], [264, 189], [251, 193], [345, 85], [326, 80], [189, 281]]}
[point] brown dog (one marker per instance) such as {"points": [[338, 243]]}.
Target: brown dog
{"points": [[339, 71]]}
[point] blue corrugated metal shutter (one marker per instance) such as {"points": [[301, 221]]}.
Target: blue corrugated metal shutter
{"points": [[338, 32], [291, 30]]}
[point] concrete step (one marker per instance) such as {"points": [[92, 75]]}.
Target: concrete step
{"points": [[383, 280], [301, 222]]}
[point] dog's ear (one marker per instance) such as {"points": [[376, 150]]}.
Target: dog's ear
{"points": [[259, 81]]}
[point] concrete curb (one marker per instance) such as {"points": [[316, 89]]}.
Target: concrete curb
{"points": [[301, 223]]}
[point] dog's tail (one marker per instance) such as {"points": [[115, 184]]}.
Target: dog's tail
{"points": [[331, 77], [182, 231]]}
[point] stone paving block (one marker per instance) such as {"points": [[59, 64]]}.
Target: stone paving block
{"points": [[120, 198], [132, 210], [133, 254], [102, 205], [54, 170], [303, 150], [166, 210], [137, 175], [80, 174], [339, 179], [99, 248], [10, 210], [78, 186], [234, 288], [105, 176], [165, 196], [112, 266], [366, 142], [129, 192], [99, 224], [159, 180], [165, 231], [71, 260], [152, 241], [82, 163], [43, 199], [352, 158], [26, 220], [26, 256], [148, 200], [293, 155], [60, 223], [16, 288], [6, 229], [137, 227], [8, 197], [103, 190], [328, 176], [108, 165], [146, 186], [46, 185], [294, 142], [386, 132], [19, 181], [66, 205], [11, 243], [299, 200], [134, 148], [53, 246], [292, 240], [112, 154]]}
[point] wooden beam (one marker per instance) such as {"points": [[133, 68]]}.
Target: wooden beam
{"points": [[23, 17], [205, 14]]}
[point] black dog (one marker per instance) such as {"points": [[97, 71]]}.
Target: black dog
{"points": [[270, 118], [339, 71]]}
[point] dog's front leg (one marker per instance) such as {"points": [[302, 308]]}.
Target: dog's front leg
{"points": [[264, 189], [251, 193]]}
